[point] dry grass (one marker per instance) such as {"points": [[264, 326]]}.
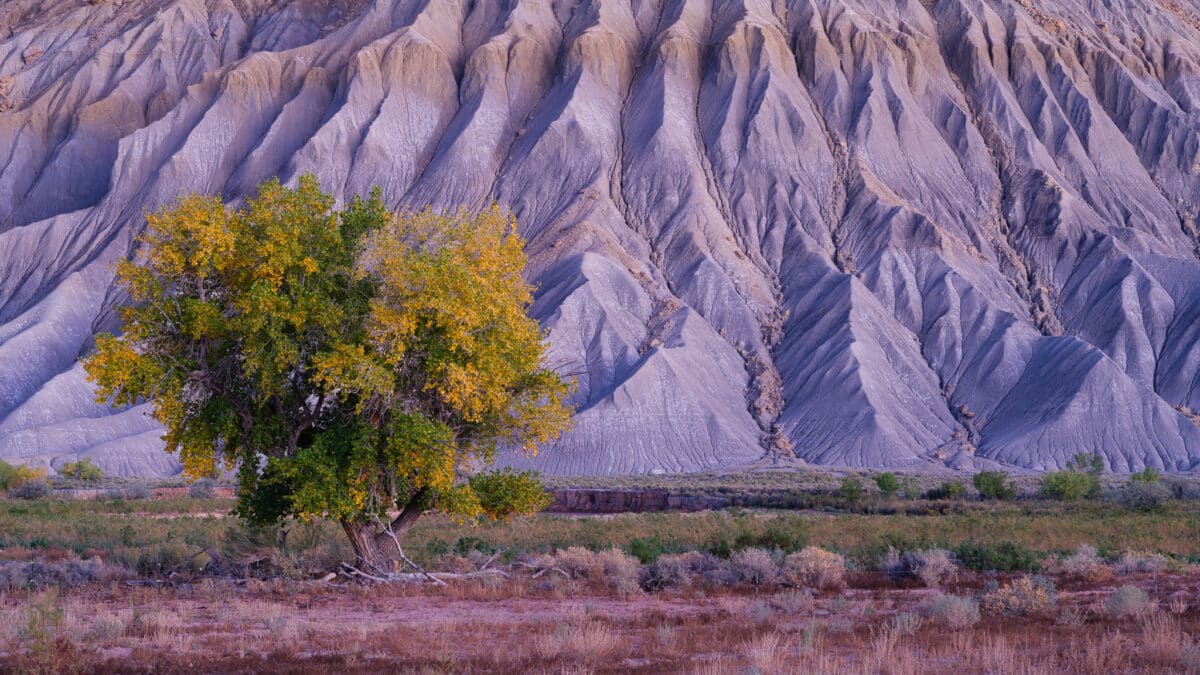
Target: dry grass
{"points": [[291, 626]]}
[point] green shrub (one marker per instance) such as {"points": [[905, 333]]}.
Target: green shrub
{"points": [[37, 488], [911, 487], [8, 474], [1143, 496], [953, 611], [755, 566], [646, 549], [888, 484], [84, 469], [1147, 475], [1128, 601], [21, 474], [133, 491], [1080, 480], [776, 536], [951, 489], [1004, 556], [851, 490], [1022, 597], [994, 485], [465, 545], [201, 489], [1070, 486]]}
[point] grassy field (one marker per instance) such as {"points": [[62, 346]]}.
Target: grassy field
{"points": [[158, 536], [175, 584], [517, 627]]}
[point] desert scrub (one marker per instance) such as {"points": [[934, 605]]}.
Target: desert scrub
{"points": [[994, 485], [953, 611], [1004, 556], [1132, 562], [1024, 596], [24, 482], [679, 570], [755, 566], [851, 490], [38, 488], [1140, 495], [1085, 563], [933, 567], [951, 489], [18, 575], [204, 488], [1128, 601], [1080, 480], [8, 473], [815, 567], [888, 484], [84, 469], [613, 568]]}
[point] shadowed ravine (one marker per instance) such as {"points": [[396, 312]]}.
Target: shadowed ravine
{"points": [[866, 232]]}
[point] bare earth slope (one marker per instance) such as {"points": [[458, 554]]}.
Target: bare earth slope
{"points": [[866, 232]]}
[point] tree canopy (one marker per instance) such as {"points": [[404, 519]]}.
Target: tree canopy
{"points": [[348, 364]]}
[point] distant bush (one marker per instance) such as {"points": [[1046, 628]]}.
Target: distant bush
{"points": [[815, 567], [888, 484], [645, 549], [1132, 562], [951, 489], [785, 537], [1085, 563], [851, 490], [911, 487], [1004, 556], [1147, 475], [8, 473], [934, 566], [678, 570], [755, 566], [1128, 601], [38, 488], [994, 485], [24, 482], [793, 601], [1022, 597], [18, 575], [1138, 495], [612, 568], [201, 489], [84, 469], [953, 611], [21, 474], [131, 491], [1182, 489], [906, 623], [1080, 480]]}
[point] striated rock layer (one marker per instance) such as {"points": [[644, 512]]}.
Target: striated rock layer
{"points": [[863, 232]]}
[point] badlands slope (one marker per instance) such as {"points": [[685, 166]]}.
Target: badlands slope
{"points": [[867, 233]]}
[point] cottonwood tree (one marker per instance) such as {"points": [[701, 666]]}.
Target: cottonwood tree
{"points": [[359, 365]]}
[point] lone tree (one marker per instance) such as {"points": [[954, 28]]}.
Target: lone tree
{"points": [[359, 365]]}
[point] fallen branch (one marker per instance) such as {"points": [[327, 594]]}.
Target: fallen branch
{"points": [[439, 578], [490, 560], [549, 569]]}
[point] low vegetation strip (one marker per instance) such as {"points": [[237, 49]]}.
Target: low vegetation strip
{"points": [[862, 582], [156, 537]]}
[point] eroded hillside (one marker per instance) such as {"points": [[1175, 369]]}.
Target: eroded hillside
{"points": [[866, 232]]}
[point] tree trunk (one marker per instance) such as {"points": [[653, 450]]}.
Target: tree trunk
{"points": [[375, 550], [369, 553]]}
